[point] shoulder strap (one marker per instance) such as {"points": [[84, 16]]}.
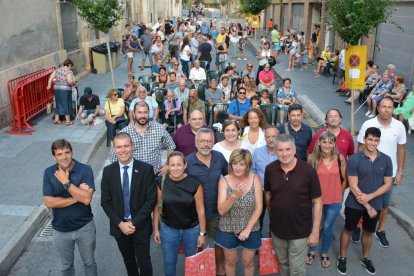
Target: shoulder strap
{"points": [[109, 105], [286, 128]]}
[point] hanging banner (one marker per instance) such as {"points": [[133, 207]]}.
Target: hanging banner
{"points": [[355, 65]]}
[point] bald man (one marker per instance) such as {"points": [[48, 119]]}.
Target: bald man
{"points": [[184, 138]]}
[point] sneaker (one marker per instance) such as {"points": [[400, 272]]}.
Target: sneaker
{"points": [[238, 58], [356, 235], [244, 58], [371, 116], [369, 266], [368, 113], [382, 239], [341, 265]]}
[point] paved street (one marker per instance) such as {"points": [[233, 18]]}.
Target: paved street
{"points": [[25, 157]]}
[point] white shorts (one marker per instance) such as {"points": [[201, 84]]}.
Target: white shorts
{"points": [[130, 54]]}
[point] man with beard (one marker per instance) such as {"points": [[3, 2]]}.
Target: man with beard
{"points": [[301, 132], [344, 139], [208, 166], [148, 139]]}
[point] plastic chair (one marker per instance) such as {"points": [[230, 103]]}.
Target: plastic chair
{"points": [[212, 74], [203, 64], [270, 112], [146, 79], [222, 109]]}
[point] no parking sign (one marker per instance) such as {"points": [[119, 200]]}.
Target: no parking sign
{"points": [[355, 63]]}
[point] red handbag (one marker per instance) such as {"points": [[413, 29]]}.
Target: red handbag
{"points": [[201, 264], [268, 263]]}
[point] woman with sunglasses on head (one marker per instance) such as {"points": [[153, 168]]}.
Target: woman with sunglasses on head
{"points": [[240, 203], [330, 167], [231, 140], [181, 199], [114, 111]]}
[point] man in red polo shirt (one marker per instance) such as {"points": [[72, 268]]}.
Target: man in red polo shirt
{"points": [[345, 141]]}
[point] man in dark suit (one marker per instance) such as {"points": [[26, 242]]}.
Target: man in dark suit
{"points": [[128, 198]]}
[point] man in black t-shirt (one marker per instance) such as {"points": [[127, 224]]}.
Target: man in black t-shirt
{"points": [[88, 104], [204, 52]]}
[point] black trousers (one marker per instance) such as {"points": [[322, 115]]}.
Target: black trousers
{"points": [[135, 250]]}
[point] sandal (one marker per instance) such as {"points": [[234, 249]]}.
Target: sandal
{"points": [[69, 123], [56, 122], [310, 258], [325, 262]]}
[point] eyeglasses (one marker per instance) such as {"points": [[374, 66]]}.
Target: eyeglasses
{"points": [[176, 64], [242, 93], [191, 97]]}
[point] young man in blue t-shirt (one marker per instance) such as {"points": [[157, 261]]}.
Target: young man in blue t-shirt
{"points": [[369, 175]]}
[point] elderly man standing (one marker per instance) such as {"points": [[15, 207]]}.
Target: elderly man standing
{"points": [[148, 139], [184, 138], [344, 139], [290, 209], [181, 92], [262, 157], [208, 166]]}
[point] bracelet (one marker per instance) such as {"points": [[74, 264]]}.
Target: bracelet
{"points": [[401, 173]]}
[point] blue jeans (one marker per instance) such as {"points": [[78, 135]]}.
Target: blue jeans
{"points": [[330, 213], [171, 239], [85, 239], [185, 67]]}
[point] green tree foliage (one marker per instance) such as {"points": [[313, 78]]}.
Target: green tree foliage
{"points": [[354, 19], [253, 6], [100, 14]]}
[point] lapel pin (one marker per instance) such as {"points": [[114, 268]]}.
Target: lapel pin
{"points": [[136, 170]]}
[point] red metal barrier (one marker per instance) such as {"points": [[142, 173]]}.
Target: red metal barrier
{"points": [[28, 97]]}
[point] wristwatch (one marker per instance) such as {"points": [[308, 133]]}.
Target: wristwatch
{"points": [[66, 185], [203, 234]]}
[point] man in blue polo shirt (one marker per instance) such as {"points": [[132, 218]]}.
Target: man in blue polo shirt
{"points": [[369, 175], [240, 105], [208, 166], [301, 132], [68, 187], [262, 157]]}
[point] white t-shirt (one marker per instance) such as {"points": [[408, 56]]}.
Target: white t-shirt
{"points": [[226, 153], [183, 54], [391, 136], [263, 61], [234, 39]]}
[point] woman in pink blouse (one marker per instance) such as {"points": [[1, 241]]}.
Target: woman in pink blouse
{"points": [[331, 167]]}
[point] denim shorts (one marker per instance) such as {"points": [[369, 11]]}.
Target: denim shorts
{"points": [[229, 240], [386, 198]]}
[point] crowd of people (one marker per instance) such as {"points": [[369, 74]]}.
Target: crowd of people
{"points": [[218, 192]]}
